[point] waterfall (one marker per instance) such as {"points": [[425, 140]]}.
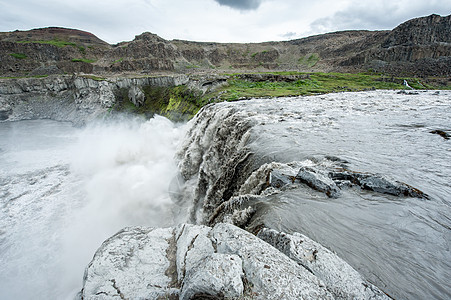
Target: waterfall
{"points": [[64, 190]]}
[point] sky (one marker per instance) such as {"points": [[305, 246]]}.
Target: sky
{"points": [[214, 20]]}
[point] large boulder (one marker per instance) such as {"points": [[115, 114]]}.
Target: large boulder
{"points": [[131, 265], [199, 262]]}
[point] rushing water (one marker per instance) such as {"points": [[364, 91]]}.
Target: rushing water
{"points": [[64, 190], [400, 244]]}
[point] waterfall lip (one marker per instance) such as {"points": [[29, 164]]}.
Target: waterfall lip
{"points": [[223, 132], [284, 165]]}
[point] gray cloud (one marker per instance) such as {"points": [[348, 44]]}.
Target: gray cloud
{"points": [[241, 4], [385, 14], [180, 19], [289, 35]]}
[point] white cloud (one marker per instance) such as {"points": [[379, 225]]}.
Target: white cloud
{"points": [[207, 20]]}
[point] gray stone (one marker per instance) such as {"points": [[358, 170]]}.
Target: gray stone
{"points": [[193, 245], [136, 96], [221, 262], [376, 183], [340, 278], [131, 265], [441, 133], [271, 275], [318, 180], [224, 261], [217, 275], [277, 179], [46, 70], [5, 110]]}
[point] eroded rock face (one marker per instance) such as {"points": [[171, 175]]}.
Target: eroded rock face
{"points": [[421, 31], [421, 46], [76, 99], [218, 275], [223, 262], [271, 274]]}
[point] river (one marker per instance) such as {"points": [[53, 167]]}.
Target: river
{"points": [[63, 190]]}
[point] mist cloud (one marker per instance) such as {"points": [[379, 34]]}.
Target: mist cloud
{"points": [[241, 4]]}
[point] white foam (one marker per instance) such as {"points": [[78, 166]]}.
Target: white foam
{"points": [[120, 172]]}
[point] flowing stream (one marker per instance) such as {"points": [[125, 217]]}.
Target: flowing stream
{"points": [[64, 190], [401, 244]]}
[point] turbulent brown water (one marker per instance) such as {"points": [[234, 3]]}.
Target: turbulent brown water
{"points": [[64, 190], [401, 244]]}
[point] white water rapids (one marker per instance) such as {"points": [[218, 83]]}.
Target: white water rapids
{"points": [[64, 190]]}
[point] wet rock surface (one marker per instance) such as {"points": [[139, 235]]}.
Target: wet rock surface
{"points": [[318, 181], [441, 133], [332, 181]]}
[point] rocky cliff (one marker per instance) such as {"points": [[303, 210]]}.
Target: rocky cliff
{"points": [[78, 99], [420, 46]]}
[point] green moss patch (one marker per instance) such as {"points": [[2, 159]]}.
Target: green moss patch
{"points": [[56, 43], [19, 77], [177, 103], [311, 84], [18, 55], [309, 60], [85, 60]]}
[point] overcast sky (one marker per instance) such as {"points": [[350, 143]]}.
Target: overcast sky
{"points": [[214, 20]]}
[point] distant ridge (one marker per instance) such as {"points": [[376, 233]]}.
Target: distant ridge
{"points": [[421, 46], [51, 33]]}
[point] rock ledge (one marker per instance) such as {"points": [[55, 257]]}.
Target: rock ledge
{"points": [[199, 262]]}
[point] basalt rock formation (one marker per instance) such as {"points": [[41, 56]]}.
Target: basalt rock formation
{"points": [[420, 46]]}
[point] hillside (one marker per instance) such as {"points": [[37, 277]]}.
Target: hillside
{"points": [[420, 47]]}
